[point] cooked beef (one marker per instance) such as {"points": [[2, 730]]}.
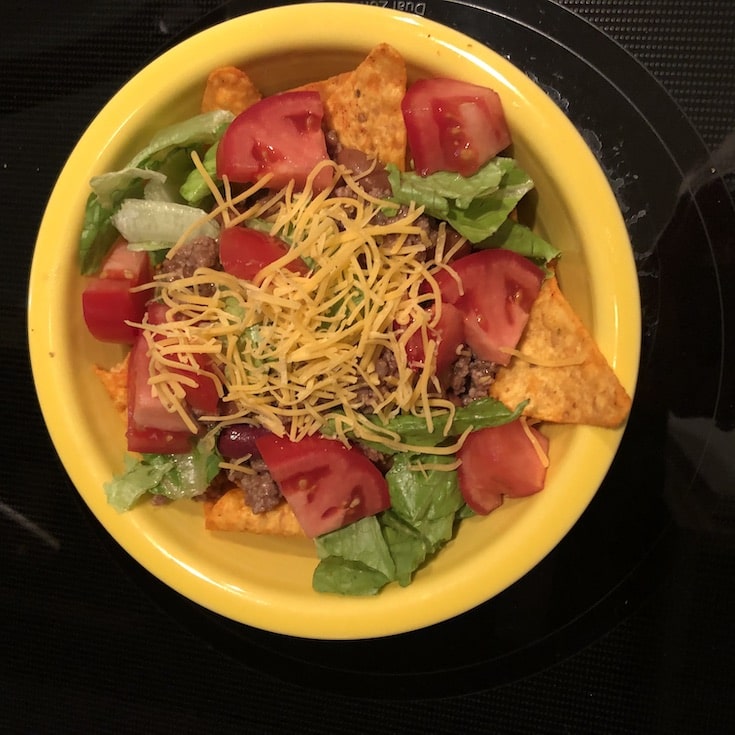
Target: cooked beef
{"points": [[470, 378], [217, 488], [382, 461], [375, 182], [199, 252], [386, 368], [261, 490]]}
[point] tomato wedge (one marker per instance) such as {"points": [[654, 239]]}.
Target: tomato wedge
{"points": [[157, 441], [498, 291], [244, 252], [107, 304], [147, 411], [498, 461], [203, 396], [279, 135], [449, 335], [121, 262], [327, 484], [453, 125], [109, 301]]}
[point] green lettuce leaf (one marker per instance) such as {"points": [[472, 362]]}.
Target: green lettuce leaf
{"points": [[363, 557], [160, 155], [174, 476], [355, 559], [520, 239], [479, 414], [203, 129], [195, 188], [476, 206], [344, 577]]}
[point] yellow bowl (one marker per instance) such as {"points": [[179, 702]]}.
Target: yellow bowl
{"points": [[266, 582]]}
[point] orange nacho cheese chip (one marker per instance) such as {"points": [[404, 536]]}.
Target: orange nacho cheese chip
{"points": [[232, 513], [115, 382], [565, 378], [363, 106], [229, 88]]}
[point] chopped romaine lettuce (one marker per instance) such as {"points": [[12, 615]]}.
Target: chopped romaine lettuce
{"points": [[175, 476], [203, 129], [108, 187], [514, 236], [414, 430], [363, 557], [476, 206], [141, 220], [195, 188], [160, 155]]}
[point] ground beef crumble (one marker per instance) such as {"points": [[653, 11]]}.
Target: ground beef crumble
{"points": [[199, 252], [261, 491]]}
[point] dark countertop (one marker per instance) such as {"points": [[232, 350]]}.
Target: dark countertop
{"points": [[625, 628]]}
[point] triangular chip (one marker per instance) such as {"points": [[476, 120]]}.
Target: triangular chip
{"points": [[115, 382], [363, 106], [231, 513], [229, 88], [565, 378]]}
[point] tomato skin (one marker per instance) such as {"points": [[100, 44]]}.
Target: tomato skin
{"points": [[244, 252], [500, 461], [121, 262], [108, 301], [449, 335], [498, 291], [147, 439], [146, 410], [327, 484], [157, 441], [204, 396], [453, 125], [281, 135]]}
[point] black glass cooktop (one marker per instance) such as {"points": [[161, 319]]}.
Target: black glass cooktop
{"points": [[624, 627]]}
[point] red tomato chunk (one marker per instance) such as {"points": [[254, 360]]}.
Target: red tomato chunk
{"points": [[203, 396], [499, 461], [279, 135], [452, 125], [107, 304], [327, 484], [147, 411], [448, 333], [109, 301], [244, 252], [498, 288]]}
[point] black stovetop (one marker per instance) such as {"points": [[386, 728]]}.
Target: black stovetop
{"points": [[624, 628]]}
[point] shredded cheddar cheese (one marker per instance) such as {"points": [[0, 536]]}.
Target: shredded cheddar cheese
{"points": [[543, 362], [299, 351], [543, 457]]}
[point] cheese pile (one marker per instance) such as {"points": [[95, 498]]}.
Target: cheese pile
{"points": [[292, 352]]}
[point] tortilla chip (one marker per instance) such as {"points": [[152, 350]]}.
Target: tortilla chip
{"points": [[587, 392], [115, 382], [229, 88], [363, 106], [231, 513]]}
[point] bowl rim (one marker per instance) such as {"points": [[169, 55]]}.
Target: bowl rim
{"points": [[615, 314]]}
